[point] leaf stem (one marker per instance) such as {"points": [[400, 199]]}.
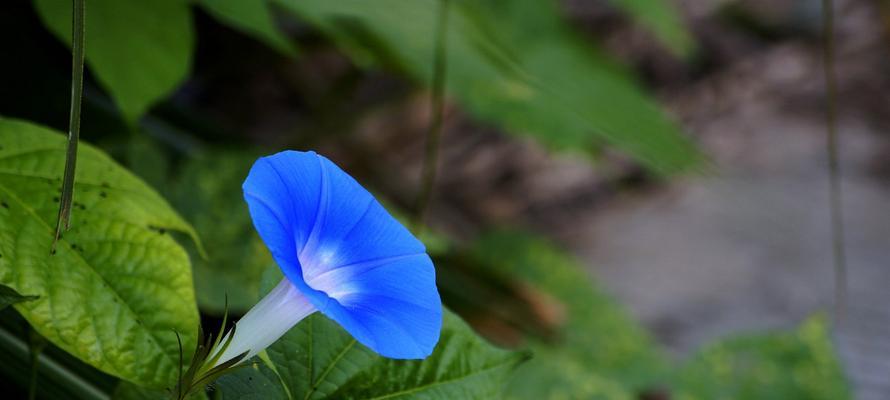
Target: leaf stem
{"points": [[437, 111], [77, 58], [834, 169]]}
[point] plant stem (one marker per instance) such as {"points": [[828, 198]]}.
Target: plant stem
{"points": [[77, 56], [834, 169], [56, 374], [36, 344], [437, 111]]}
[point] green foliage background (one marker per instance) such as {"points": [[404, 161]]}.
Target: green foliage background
{"points": [[121, 284]]}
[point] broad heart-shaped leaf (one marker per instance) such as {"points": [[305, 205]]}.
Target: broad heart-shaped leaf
{"points": [[774, 366], [138, 50], [600, 351], [252, 17], [118, 285], [319, 360], [513, 63]]}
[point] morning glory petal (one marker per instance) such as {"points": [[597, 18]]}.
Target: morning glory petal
{"points": [[349, 257]]}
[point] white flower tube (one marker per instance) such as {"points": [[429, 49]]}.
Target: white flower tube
{"points": [[267, 321]]}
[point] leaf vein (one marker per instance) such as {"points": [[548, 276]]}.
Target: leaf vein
{"points": [[83, 261]]}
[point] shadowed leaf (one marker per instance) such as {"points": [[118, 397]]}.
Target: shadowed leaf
{"points": [[8, 297]]}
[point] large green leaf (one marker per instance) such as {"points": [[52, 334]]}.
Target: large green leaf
{"points": [[252, 17], [117, 285], [513, 63], [317, 359], [792, 365], [138, 50], [600, 352]]}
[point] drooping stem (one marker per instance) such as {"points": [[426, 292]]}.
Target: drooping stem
{"points": [[437, 111], [77, 57], [834, 169]]}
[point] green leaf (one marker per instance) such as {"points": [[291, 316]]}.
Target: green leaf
{"points": [[252, 17], [118, 285], [516, 64], [255, 382], [794, 365], [463, 366], [208, 193], [138, 50], [129, 391], [599, 352], [318, 357], [319, 360], [8, 297], [660, 17]]}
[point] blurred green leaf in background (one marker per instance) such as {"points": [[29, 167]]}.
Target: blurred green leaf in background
{"points": [[207, 191], [662, 19], [254, 18], [598, 352], [780, 365], [515, 64], [139, 51]]}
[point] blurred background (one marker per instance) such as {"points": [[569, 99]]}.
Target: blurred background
{"points": [[636, 190]]}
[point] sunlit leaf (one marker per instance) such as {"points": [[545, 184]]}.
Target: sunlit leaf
{"points": [[117, 286], [516, 64]]}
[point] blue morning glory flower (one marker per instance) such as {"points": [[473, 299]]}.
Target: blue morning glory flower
{"points": [[342, 254]]}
